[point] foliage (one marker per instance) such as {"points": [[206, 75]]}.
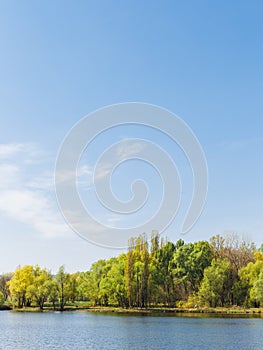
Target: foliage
{"points": [[40, 287], [188, 264], [225, 271], [213, 289], [2, 298], [63, 284], [252, 276], [4, 279], [19, 284]]}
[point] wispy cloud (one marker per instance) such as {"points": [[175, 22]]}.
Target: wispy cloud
{"points": [[26, 192], [28, 152], [42, 182], [11, 149], [9, 174], [125, 150], [122, 152], [113, 220], [241, 144]]}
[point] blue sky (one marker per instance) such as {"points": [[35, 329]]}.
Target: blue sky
{"points": [[60, 61]]}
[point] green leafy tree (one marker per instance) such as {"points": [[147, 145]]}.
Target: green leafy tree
{"points": [[40, 287], [163, 285], [53, 295], [239, 253], [83, 283], [73, 281], [212, 288], [257, 289], [188, 264], [240, 292], [138, 272], [115, 282], [252, 276], [143, 297], [63, 287], [105, 282], [97, 272], [129, 272]]}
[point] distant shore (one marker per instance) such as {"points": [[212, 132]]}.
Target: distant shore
{"points": [[153, 310], [177, 310]]}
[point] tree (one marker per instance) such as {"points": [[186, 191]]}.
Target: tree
{"points": [[53, 293], [212, 288], [97, 272], [114, 282], [129, 272], [188, 264], [30, 284], [4, 279], [40, 287], [137, 272], [239, 253], [257, 289], [18, 285], [2, 298], [240, 292], [162, 280], [144, 257], [251, 275], [73, 282], [63, 287], [83, 282]]}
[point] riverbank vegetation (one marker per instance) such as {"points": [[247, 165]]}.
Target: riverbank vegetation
{"points": [[225, 272]]}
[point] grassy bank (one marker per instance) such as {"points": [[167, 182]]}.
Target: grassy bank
{"points": [[153, 310], [218, 310]]}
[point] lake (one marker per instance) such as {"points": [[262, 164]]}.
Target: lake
{"points": [[84, 330]]}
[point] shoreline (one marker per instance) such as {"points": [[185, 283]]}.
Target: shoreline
{"points": [[232, 311], [149, 311]]}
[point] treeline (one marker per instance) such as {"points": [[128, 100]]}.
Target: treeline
{"points": [[32, 286], [223, 272]]}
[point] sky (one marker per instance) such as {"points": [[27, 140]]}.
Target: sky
{"points": [[62, 60]]}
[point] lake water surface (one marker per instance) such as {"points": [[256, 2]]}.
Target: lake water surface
{"points": [[84, 330]]}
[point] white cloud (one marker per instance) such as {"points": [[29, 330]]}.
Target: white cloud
{"points": [[42, 182], [241, 144], [26, 193], [85, 170], [11, 149], [103, 170], [9, 174], [126, 150], [34, 209], [26, 151], [113, 220], [122, 152]]}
